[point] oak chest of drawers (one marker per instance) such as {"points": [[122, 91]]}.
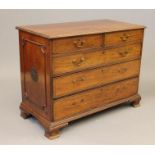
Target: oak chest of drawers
{"points": [[71, 70]]}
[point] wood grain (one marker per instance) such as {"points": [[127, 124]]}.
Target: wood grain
{"points": [[72, 105], [75, 44], [91, 78], [84, 60], [123, 37], [68, 29], [72, 70], [34, 55]]}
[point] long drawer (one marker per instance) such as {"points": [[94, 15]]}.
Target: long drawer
{"points": [[77, 62], [79, 103], [90, 78], [123, 37]]}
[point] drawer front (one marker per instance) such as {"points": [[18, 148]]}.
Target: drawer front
{"points": [[88, 79], [81, 61], [123, 37], [82, 102], [73, 44]]}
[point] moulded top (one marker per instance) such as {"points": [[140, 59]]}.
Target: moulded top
{"points": [[68, 29]]}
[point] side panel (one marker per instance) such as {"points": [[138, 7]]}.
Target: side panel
{"points": [[35, 74]]}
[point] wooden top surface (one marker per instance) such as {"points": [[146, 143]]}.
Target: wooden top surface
{"points": [[69, 29]]}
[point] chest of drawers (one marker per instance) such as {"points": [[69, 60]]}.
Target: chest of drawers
{"points": [[71, 70]]}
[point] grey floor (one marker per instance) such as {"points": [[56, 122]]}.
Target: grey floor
{"points": [[120, 125]]}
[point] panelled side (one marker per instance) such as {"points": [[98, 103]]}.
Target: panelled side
{"points": [[35, 74]]}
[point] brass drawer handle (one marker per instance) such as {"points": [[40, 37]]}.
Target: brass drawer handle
{"points": [[122, 70], [79, 43], [78, 80], [103, 70], [103, 52], [125, 37], [74, 103], [77, 103], [120, 89], [124, 53], [78, 62]]}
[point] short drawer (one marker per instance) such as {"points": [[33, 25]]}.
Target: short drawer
{"points": [[91, 78], [123, 37], [82, 102], [82, 61], [73, 44]]}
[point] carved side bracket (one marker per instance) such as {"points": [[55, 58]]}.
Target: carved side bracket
{"points": [[43, 47]]}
